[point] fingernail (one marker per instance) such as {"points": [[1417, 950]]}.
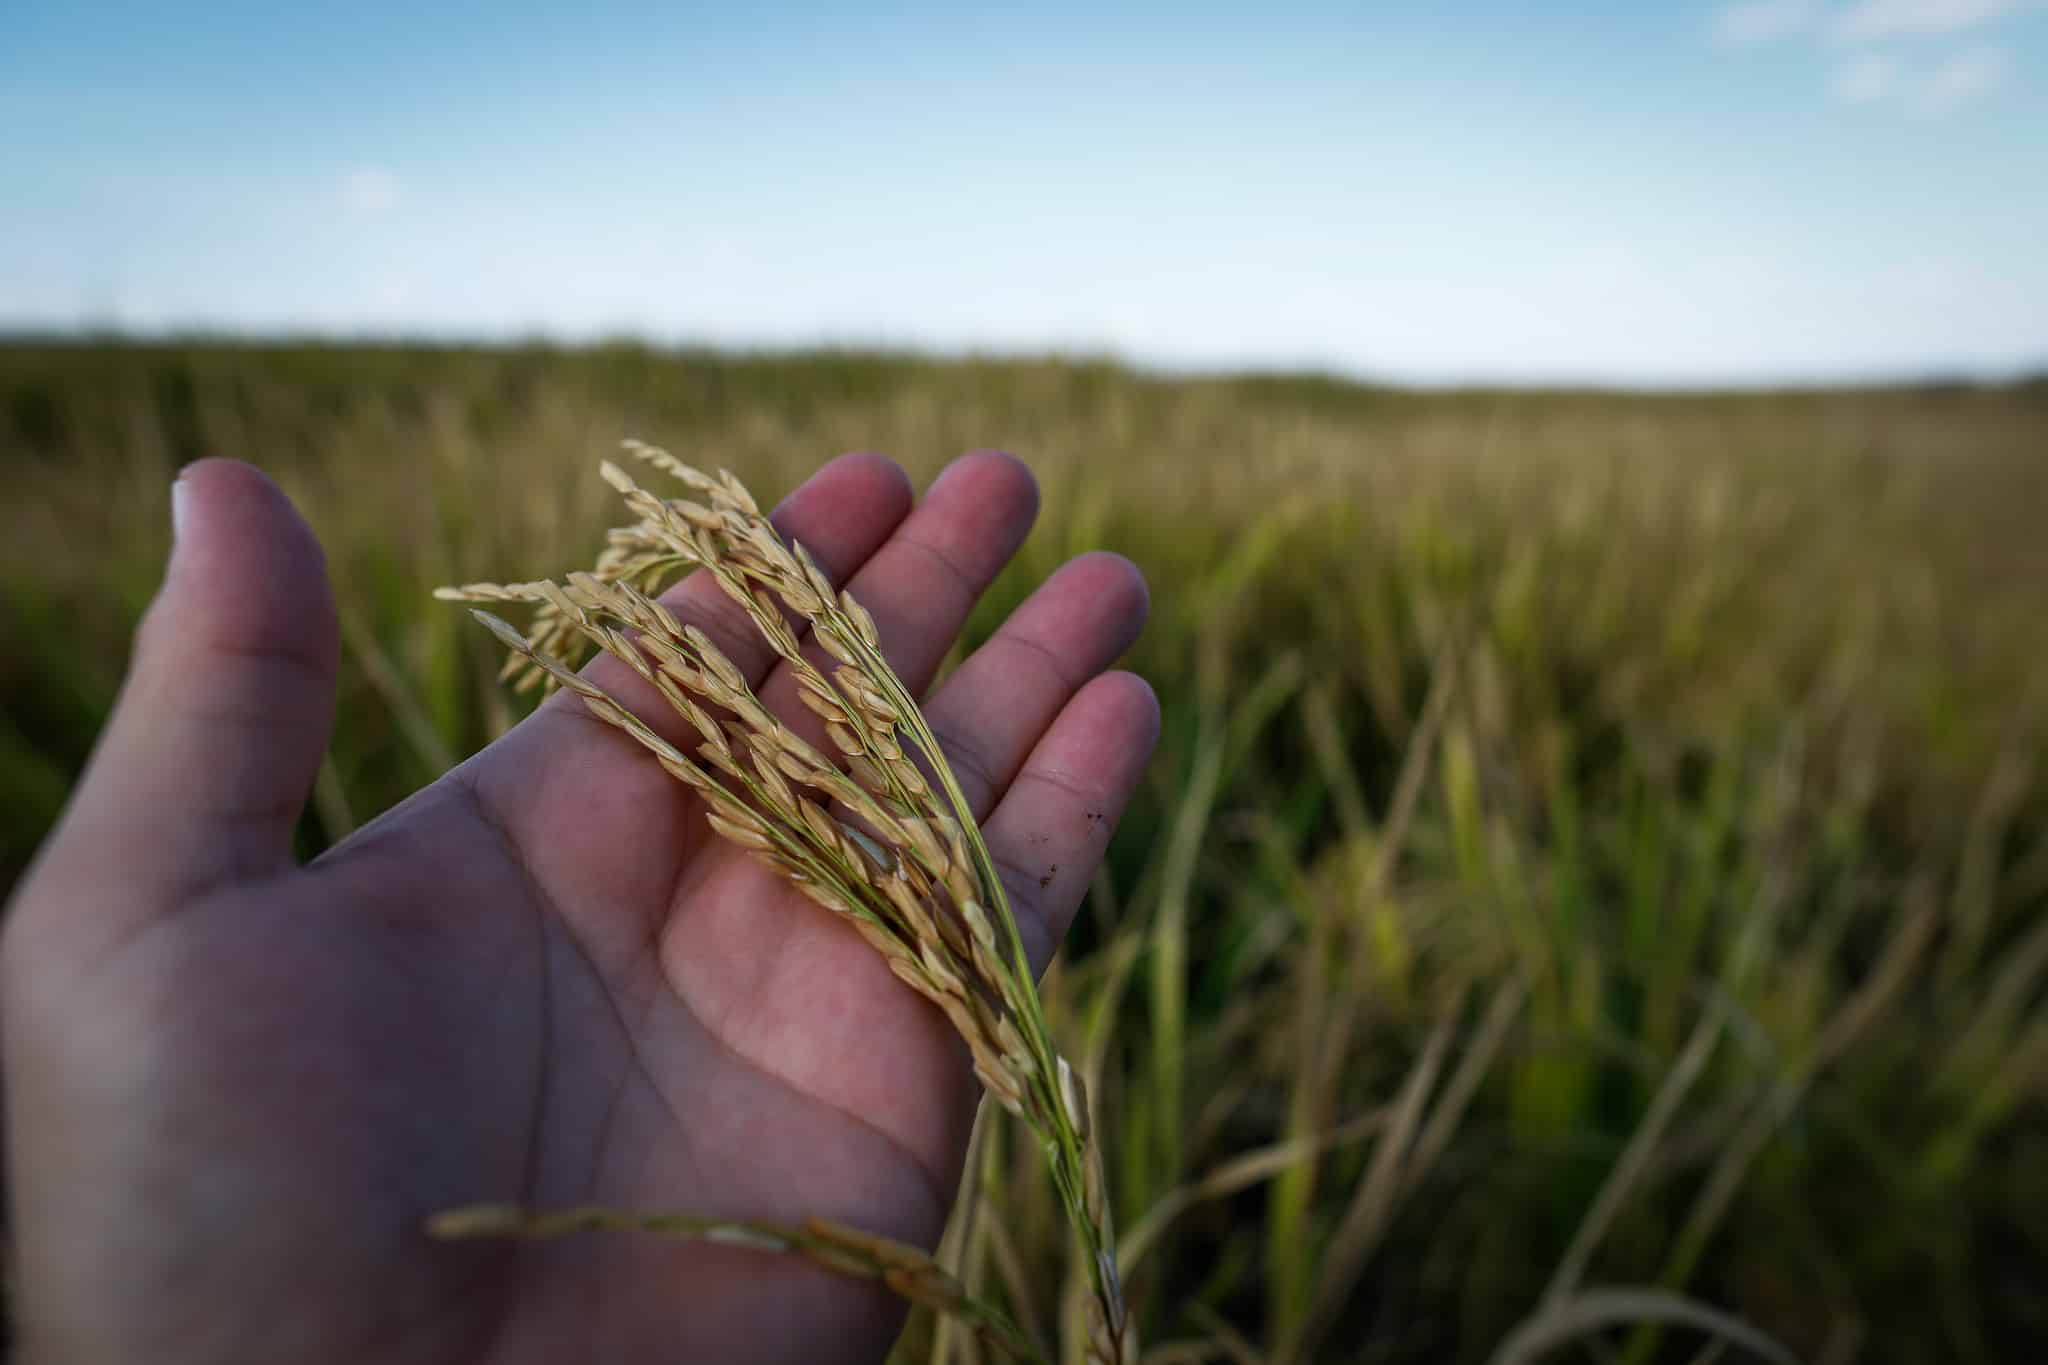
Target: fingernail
{"points": [[178, 491]]}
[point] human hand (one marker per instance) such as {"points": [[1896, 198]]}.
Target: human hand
{"points": [[236, 1088]]}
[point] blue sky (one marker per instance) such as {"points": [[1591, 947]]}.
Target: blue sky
{"points": [[1751, 192]]}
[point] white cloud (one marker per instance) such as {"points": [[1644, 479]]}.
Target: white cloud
{"points": [[1865, 79], [1762, 21], [1877, 73], [1929, 91], [1871, 20], [1962, 78], [369, 192]]}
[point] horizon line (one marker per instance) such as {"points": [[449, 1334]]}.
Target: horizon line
{"points": [[1931, 375]]}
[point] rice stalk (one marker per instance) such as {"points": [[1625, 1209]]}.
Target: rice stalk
{"points": [[863, 831], [906, 1270]]}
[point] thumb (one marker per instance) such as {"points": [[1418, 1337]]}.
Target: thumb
{"points": [[199, 777]]}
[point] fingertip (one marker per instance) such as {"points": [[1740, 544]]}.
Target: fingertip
{"points": [[977, 513], [879, 480], [217, 492], [246, 565], [997, 474], [1066, 803], [1130, 699], [212, 468], [1108, 728], [1141, 584], [1090, 610], [847, 509], [1117, 578], [1115, 720], [218, 478]]}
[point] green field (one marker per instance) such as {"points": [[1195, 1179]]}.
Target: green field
{"points": [[1597, 841]]}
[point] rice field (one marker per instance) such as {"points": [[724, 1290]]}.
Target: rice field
{"points": [[1595, 869]]}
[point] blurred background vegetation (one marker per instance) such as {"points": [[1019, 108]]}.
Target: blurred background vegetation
{"points": [[1597, 840]]}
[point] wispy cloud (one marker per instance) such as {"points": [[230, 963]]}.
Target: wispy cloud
{"points": [[1865, 80], [1929, 91], [1963, 78], [368, 192], [1886, 60], [1872, 20], [1762, 21]]}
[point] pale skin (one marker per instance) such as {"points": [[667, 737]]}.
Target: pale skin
{"points": [[236, 1087]]}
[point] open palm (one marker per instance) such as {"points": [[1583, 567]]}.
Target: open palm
{"points": [[236, 1088]]}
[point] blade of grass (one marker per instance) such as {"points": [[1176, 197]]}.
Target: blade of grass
{"points": [[1596, 1310], [1169, 943], [1371, 1208], [411, 718], [1237, 1174]]}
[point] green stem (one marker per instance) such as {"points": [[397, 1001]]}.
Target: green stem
{"points": [[1069, 1161]]}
